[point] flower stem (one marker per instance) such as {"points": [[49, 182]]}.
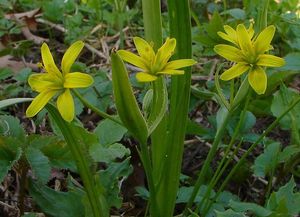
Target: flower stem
{"points": [[223, 164], [245, 155], [207, 162], [97, 201], [94, 109], [153, 33], [179, 16]]}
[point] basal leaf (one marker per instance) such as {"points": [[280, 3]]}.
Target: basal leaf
{"points": [[109, 153], [56, 203], [10, 153], [109, 132], [285, 198], [11, 126], [267, 161], [110, 180], [259, 211], [230, 213], [281, 101], [39, 164]]}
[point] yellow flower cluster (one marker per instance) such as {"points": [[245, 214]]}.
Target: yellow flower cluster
{"points": [[53, 82], [248, 52], [154, 64]]}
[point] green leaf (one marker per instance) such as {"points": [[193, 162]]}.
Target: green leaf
{"points": [[229, 213], [281, 101], [292, 62], [275, 78], [109, 179], [109, 132], [247, 124], [236, 13], [23, 75], [10, 153], [126, 103], [9, 102], [288, 152], [285, 199], [193, 128], [56, 150], [267, 161], [10, 126], [261, 106], [142, 192], [56, 203], [5, 73], [221, 115], [252, 207], [39, 163], [109, 153], [215, 25]]}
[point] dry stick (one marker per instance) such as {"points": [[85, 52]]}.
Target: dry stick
{"points": [[64, 30]]}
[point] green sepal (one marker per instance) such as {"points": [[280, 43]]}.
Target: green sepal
{"points": [[159, 102], [241, 94], [126, 103]]}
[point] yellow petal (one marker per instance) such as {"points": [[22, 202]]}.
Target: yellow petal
{"points": [[177, 64], [264, 39], [251, 31], [48, 61], [171, 72], [164, 53], [39, 102], [132, 59], [244, 40], [44, 81], [70, 56], [78, 80], [144, 49], [234, 71], [145, 77], [65, 105], [270, 60], [227, 37], [231, 33], [229, 52], [258, 80]]}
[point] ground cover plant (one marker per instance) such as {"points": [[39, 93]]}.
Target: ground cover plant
{"points": [[149, 108]]}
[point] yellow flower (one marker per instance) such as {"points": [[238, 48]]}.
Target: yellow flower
{"points": [[154, 64], [249, 54], [53, 82]]}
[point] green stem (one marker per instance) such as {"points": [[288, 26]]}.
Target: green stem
{"points": [[196, 19], [96, 110], [245, 155], [205, 167], [145, 157], [82, 163], [153, 33], [207, 207], [152, 21], [263, 15], [179, 16], [270, 184], [221, 168]]}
